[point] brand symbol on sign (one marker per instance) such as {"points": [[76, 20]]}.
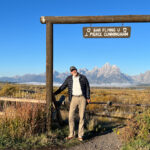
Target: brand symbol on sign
{"points": [[88, 29], [124, 29]]}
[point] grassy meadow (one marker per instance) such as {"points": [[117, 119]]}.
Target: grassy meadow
{"points": [[22, 125]]}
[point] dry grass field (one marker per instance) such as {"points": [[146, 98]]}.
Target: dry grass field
{"points": [[123, 96], [120, 95]]}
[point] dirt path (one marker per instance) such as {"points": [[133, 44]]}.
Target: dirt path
{"points": [[109, 141]]}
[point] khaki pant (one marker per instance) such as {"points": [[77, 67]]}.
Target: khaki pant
{"points": [[79, 102]]}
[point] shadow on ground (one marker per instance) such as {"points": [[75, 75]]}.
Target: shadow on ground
{"points": [[95, 127]]}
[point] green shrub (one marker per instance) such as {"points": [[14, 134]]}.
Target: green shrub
{"points": [[144, 125], [137, 132], [137, 144]]}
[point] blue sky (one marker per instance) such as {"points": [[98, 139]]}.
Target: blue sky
{"points": [[23, 37]]}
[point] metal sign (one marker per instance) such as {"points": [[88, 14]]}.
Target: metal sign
{"points": [[106, 32]]}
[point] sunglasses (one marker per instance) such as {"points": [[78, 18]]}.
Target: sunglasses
{"points": [[73, 70]]}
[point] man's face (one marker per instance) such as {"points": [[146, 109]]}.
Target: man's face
{"points": [[74, 72]]}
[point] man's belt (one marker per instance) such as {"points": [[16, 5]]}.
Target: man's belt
{"points": [[77, 95]]}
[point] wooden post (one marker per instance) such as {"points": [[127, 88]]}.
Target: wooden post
{"points": [[49, 73]]}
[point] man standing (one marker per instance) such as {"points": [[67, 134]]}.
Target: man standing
{"points": [[79, 95]]}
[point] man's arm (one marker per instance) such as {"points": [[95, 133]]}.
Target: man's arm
{"points": [[87, 90], [62, 87]]}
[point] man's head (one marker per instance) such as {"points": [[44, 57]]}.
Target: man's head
{"points": [[73, 70]]}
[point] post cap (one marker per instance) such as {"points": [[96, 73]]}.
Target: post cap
{"points": [[43, 20]]}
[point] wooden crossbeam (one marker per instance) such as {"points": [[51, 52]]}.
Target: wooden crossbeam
{"points": [[94, 19], [24, 100], [120, 104]]}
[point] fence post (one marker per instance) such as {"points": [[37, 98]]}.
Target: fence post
{"points": [[49, 74]]}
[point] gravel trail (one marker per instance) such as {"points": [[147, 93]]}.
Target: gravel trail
{"points": [[109, 141]]}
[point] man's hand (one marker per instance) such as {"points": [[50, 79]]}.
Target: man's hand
{"points": [[88, 101]]}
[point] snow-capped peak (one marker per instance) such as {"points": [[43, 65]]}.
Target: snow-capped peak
{"points": [[108, 69]]}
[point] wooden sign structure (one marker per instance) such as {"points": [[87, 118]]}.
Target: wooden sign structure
{"points": [[106, 32], [50, 20]]}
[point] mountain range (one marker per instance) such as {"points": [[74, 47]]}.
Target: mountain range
{"points": [[107, 75]]}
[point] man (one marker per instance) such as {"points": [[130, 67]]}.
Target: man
{"points": [[79, 95]]}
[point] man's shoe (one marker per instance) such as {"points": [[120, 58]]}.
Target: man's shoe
{"points": [[69, 137], [80, 139]]}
